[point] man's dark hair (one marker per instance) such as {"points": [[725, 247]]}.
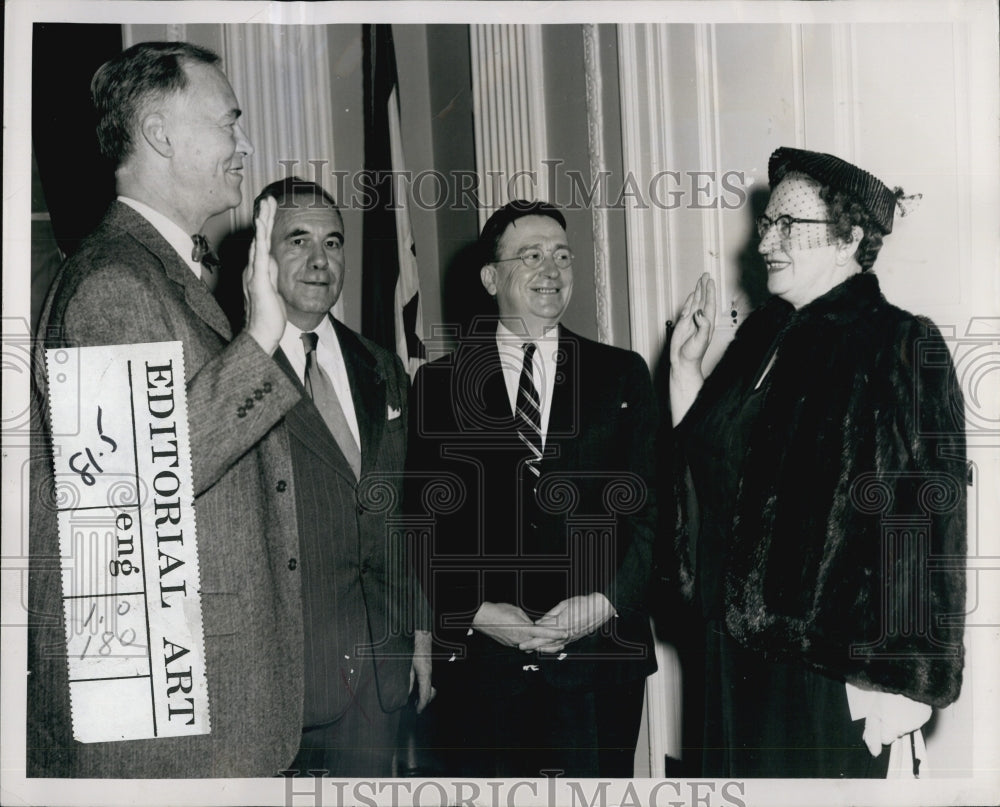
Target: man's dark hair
{"points": [[283, 190], [497, 224], [124, 87]]}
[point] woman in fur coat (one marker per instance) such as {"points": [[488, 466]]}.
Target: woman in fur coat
{"points": [[821, 502]]}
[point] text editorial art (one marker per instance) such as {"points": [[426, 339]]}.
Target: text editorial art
{"points": [[130, 582]]}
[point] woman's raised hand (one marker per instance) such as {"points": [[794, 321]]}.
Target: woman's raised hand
{"points": [[688, 345], [695, 327]]}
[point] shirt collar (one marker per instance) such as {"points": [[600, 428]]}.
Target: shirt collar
{"points": [[291, 339], [506, 337], [170, 230]]}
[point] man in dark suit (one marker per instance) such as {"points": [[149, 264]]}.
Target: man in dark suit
{"points": [[530, 477], [168, 120], [347, 437]]}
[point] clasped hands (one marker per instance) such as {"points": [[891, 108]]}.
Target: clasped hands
{"points": [[565, 622]]}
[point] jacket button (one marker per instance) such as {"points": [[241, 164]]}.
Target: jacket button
{"points": [[241, 412], [267, 386], [292, 564], [258, 394], [248, 403], [281, 486]]}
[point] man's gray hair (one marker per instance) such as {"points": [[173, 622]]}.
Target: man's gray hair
{"points": [[124, 87]]}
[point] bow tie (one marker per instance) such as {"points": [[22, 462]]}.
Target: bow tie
{"points": [[210, 263]]}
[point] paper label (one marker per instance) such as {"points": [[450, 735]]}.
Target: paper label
{"points": [[127, 538]]}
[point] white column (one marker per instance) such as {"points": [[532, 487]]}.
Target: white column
{"points": [[647, 150], [598, 167], [281, 76], [509, 114]]}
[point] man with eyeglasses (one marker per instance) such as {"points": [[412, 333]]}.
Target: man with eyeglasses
{"points": [[531, 475]]}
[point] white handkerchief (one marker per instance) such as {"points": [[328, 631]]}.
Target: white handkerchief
{"points": [[392, 413]]}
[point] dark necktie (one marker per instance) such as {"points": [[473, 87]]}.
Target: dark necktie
{"points": [[320, 389], [528, 410], [210, 263]]}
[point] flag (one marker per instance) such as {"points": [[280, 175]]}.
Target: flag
{"points": [[390, 284]]}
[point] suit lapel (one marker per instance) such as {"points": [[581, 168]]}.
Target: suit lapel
{"points": [[480, 391], [367, 391], [196, 293], [563, 413], [306, 424]]}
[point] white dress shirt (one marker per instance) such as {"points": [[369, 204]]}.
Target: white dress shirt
{"points": [[171, 232], [331, 360], [543, 365]]}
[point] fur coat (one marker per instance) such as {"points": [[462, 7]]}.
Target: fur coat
{"points": [[848, 538]]}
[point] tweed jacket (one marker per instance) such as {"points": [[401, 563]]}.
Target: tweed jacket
{"points": [[849, 536], [369, 582], [590, 528], [127, 285]]}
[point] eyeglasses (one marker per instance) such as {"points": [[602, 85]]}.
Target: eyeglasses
{"points": [[562, 257], [764, 224]]}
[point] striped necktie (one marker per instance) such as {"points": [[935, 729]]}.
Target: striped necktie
{"points": [[203, 253], [321, 390], [528, 410]]}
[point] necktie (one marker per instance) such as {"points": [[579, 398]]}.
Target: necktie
{"points": [[320, 388], [528, 411], [210, 263]]}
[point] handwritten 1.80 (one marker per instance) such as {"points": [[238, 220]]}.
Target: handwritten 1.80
{"points": [[109, 636], [125, 637]]}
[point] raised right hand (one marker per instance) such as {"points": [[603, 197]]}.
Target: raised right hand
{"points": [[509, 625], [688, 344], [265, 310], [695, 327]]}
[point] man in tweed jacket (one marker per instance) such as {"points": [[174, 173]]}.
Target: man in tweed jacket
{"points": [[169, 119]]}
